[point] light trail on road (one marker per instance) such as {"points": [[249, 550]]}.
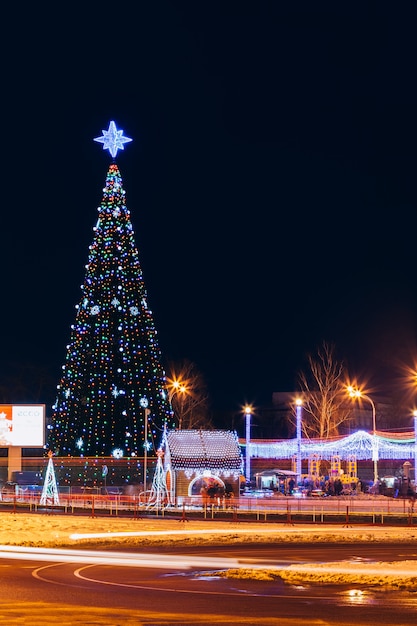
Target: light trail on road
{"points": [[227, 530], [403, 569], [96, 557]]}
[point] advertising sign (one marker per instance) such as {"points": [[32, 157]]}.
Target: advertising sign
{"points": [[22, 425]]}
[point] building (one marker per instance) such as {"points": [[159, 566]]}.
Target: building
{"points": [[199, 460]]}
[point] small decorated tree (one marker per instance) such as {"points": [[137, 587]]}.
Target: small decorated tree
{"points": [[50, 493], [159, 496]]}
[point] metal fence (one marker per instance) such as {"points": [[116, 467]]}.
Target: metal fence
{"points": [[345, 511]]}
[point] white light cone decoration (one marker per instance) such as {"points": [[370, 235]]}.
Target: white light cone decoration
{"points": [[50, 493], [159, 496]]}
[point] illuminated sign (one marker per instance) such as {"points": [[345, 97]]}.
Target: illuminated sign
{"points": [[22, 425]]}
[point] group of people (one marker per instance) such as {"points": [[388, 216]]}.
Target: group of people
{"points": [[217, 495], [329, 486]]}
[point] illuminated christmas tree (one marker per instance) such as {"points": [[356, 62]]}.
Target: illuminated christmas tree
{"points": [[113, 369], [50, 493], [159, 497]]}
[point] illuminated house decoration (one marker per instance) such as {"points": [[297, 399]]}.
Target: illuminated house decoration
{"points": [[200, 457], [113, 360]]}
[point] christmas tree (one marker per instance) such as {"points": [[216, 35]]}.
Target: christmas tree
{"points": [[113, 371], [159, 497], [50, 493]]}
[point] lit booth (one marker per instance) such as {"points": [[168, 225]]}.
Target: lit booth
{"points": [[276, 479]]}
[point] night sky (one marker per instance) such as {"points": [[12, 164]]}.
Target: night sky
{"points": [[271, 181]]}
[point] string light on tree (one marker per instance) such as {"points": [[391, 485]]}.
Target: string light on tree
{"points": [[113, 357]]}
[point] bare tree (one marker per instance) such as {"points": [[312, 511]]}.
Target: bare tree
{"points": [[323, 394], [189, 398]]}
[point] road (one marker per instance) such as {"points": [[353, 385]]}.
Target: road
{"points": [[167, 588]]}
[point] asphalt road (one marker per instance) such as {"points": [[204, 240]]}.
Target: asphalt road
{"points": [[167, 588]]}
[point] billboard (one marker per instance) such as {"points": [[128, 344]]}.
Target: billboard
{"points": [[22, 425]]}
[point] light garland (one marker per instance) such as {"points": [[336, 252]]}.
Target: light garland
{"points": [[359, 444]]}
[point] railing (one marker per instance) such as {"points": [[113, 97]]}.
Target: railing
{"points": [[347, 511]]}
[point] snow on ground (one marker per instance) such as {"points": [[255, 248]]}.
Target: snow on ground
{"points": [[69, 531], [393, 575]]}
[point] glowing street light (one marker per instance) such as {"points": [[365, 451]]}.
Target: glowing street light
{"points": [[298, 414], [177, 386], [415, 447], [248, 414], [357, 393]]}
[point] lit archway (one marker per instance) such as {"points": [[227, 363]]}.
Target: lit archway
{"points": [[204, 481]]}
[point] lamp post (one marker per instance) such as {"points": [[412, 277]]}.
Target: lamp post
{"points": [[248, 415], [298, 412], [356, 393], [144, 404], [415, 448], [177, 387]]}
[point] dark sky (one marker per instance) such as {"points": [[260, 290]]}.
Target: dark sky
{"points": [[271, 180]]}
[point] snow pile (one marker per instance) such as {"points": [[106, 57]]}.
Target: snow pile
{"points": [[392, 575]]}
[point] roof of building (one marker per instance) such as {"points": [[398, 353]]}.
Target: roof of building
{"points": [[277, 472], [204, 449]]}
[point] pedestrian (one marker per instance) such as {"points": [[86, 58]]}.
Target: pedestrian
{"points": [[338, 487]]}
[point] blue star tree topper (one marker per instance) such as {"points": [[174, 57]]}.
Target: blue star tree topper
{"points": [[112, 139]]}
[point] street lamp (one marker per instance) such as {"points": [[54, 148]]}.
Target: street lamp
{"points": [[177, 387], [356, 393], [248, 415], [298, 412], [144, 404], [415, 448]]}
